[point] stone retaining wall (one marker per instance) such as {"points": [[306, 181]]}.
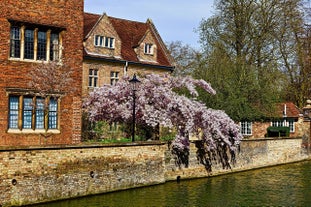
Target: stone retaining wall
{"points": [[45, 174], [32, 175], [254, 153]]}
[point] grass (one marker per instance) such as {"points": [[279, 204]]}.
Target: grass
{"points": [[121, 140]]}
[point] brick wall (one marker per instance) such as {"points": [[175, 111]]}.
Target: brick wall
{"points": [[66, 14], [259, 129]]}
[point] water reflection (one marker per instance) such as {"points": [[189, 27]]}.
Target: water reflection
{"points": [[288, 185]]}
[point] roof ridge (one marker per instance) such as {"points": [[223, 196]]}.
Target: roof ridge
{"points": [[129, 20], [93, 14]]}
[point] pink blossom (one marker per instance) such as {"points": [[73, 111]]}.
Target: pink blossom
{"points": [[157, 103]]}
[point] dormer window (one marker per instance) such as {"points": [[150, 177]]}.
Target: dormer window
{"points": [[109, 42], [98, 40], [102, 41], [148, 49]]}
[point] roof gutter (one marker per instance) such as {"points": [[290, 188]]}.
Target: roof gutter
{"points": [[127, 63]]}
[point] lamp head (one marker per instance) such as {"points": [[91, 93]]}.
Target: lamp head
{"points": [[134, 82]]}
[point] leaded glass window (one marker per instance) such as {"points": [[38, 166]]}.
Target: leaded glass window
{"points": [[53, 114], [40, 113], [41, 49], [35, 112], [54, 44], [13, 116], [27, 113], [15, 42], [29, 44]]}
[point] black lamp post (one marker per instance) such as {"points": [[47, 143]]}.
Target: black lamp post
{"points": [[134, 82]]}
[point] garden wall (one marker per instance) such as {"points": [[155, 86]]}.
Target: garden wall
{"points": [[40, 174], [254, 153], [44, 174]]}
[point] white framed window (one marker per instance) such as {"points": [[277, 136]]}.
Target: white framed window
{"points": [[285, 123], [109, 42], [114, 77], [291, 125], [98, 40], [102, 41], [278, 123], [246, 127], [93, 78], [148, 49]]}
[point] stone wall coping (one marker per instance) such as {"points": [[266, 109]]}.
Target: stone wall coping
{"points": [[80, 146], [129, 144], [269, 138]]}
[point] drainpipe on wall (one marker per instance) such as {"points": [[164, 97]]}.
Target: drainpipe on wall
{"points": [[284, 116], [125, 68], [284, 113]]}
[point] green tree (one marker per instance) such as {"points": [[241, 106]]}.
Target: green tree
{"points": [[299, 73], [244, 54]]}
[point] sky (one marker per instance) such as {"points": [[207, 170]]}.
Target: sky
{"points": [[175, 20]]}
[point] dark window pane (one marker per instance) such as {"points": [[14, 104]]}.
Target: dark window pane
{"points": [[15, 42], [53, 114], [29, 44], [95, 81], [41, 50], [90, 81]]}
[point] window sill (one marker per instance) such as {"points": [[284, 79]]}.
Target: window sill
{"points": [[150, 54], [27, 60], [109, 48], [31, 131], [31, 60]]}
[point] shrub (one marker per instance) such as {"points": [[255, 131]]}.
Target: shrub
{"points": [[278, 131]]}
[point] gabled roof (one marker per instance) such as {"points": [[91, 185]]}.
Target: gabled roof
{"points": [[89, 22], [131, 34], [287, 109]]}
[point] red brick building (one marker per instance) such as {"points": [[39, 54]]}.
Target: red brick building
{"points": [[287, 114], [33, 31]]}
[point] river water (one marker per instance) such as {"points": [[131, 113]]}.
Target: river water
{"points": [[286, 185]]}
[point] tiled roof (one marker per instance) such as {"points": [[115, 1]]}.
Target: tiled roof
{"points": [[130, 33], [89, 22], [291, 110]]}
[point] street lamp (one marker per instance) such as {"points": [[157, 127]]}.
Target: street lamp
{"points": [[134, 82]]}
